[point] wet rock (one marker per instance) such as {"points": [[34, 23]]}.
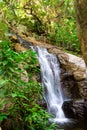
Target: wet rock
{"points": [[68, 109], [38, 77], [24, 42], [85, 109], [69, 86], [83, 88], [78, 107], [75, 109]]}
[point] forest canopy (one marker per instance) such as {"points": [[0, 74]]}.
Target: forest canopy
{"points": [[53, 19]]}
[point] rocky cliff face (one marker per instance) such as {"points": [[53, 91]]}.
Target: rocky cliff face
{"points": [[74, 84], [75, 70]]}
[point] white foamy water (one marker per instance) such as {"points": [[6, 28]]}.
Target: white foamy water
{"points": [[50, 70]]}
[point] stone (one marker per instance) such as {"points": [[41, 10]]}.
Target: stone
{"points": [[71, 63], [18, 47], [75, 109], [68, 109], [82, 85], [78, 67]]}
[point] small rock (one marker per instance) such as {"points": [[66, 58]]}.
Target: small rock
{"points": [[18, 47]]}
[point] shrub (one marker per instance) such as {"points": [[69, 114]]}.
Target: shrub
{"points": [[21, 96]]}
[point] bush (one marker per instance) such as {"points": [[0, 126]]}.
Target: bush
{"points": [[19, 96], [65, 36]]}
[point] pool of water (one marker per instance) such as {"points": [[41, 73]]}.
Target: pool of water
{"points": [[82, 125]]}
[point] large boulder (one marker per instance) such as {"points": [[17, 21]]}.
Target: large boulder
{"points": [[75, 109], [74, 76], [71, 63]]}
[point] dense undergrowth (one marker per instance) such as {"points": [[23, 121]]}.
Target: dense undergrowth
{"points": [[19, 98]]}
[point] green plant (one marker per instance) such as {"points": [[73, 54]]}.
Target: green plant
{"points": [[27, 111], [21, 96], [65, 36], [2, 115]]}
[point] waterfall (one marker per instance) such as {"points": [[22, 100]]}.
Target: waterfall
{"points": [[50, 72]]}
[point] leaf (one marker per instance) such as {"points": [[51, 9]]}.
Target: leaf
{"points": [[4, 62], [14, 95], [13, 82], [2, 82], [3, 116], [12, 70]]}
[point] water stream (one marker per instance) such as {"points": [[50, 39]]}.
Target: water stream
{"points": [[50, 71]]}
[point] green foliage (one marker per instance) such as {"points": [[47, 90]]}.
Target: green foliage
{"points": [[28, 113], [64, 32], [3, 116], [3, 29], [54, 19], [66, 36], [21, 96]]}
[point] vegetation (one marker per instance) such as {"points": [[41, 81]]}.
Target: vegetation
{"points": [[20, 97], [53, 20]]}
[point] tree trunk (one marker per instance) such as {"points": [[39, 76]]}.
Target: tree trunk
{"points": [[81, 15]]}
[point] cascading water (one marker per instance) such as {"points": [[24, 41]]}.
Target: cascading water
{"points": [[50, 71]]}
